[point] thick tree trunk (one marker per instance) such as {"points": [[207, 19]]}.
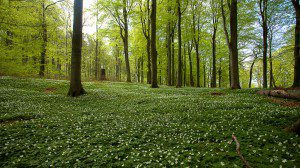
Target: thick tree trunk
{"points": [[204, 75], [44, 44], [179, 77], [296, 82], [263, 5], [235, 82], [76, 88], [125, 40], [153, 46]]}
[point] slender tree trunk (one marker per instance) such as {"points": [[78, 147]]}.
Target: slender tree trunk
{"points": [[142, 69], [173, 59], [169, 54], [191, 66], [76, 88], [251, 73], [214, 71], [296, 82], [184, 65], [153, 46], [179, 78], [235, 82], [227, 38], [272, 82], [220, 76], [204, 75], [96, 51], [44, 44]]}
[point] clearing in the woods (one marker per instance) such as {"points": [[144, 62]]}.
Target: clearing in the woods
{"points": [[131, 125]]}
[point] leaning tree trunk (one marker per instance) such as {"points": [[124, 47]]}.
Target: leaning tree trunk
{"points": [[235, 82], [296, 82], [76, 88], [153, 46]]}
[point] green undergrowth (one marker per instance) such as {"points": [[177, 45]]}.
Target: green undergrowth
{"points": [[132, 125]]}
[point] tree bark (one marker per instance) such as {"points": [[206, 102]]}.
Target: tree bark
{"points": [[296, 82], [125, 40], [251, 73], [153, 46], [169, 54], [235, 81], [44, 44], [214, 71], [263, 5], [191, 65], [179, 77], [76, 88]]}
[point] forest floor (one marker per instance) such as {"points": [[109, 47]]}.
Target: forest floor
{"points": [[132, 125]]}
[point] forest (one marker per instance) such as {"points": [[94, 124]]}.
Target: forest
{"points": [[157, 83]]}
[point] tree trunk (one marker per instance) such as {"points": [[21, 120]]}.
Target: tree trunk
{"points": [[76, 88], [169, 54], [191, 66], [251, 73], [204, 75], [44, 44], [96, 52], [214, 72], [184, 65], [235, 82], [296, 82], [263, 4], [142, 69], [153, 46], [272, 82], [227, 38], [179, 77], [173, 59], [125, 40]]}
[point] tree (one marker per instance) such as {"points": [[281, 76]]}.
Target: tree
{"points": [[263, 6], [296, 82], [153, 46], [179, 75], [76, 88], [120, 10], [215, 27], [145, 21], [44, 37], [232, 43]]}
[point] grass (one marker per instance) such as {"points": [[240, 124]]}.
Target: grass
{"points": [[131, 125]]}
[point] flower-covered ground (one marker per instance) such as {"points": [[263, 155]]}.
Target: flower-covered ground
{"points": [[132, 125]]}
